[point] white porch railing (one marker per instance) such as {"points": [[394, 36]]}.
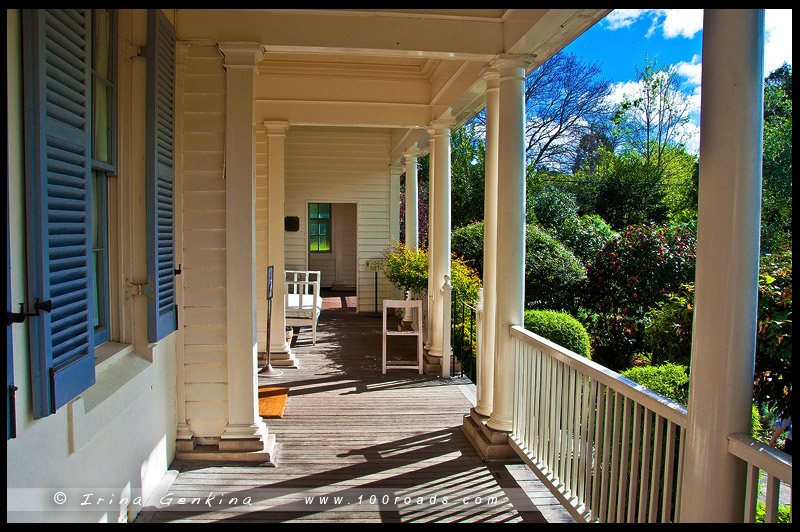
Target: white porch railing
{"points": [[775, 464], [611, 450]]}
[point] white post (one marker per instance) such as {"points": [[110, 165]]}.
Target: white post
{"points": [[510, 234], [412, 209], [726, 288], [412, 199], [276, 141], [245, 428], [440, 248], [485, 362], [432, 288], [447, 302]]}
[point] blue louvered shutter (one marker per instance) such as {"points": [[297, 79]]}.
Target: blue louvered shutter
{"points": [[58, 190], [160, 54]]}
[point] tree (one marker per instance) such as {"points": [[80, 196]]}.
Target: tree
{"points": [[564, 98], [468, 175], [651, 120], [776, 194]]}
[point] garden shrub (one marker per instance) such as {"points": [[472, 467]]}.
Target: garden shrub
{"points": [[628, 277], [553, 207], [630, 274], [467, 242], [773, 368], [668, 327], [560, 328], [584, 235], [552, 272], [670, 380]]}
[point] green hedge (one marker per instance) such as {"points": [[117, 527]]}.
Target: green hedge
{"points": [[560, 328], [670, 380]]}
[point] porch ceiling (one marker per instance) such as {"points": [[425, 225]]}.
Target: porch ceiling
{"points": [[392, 68]]}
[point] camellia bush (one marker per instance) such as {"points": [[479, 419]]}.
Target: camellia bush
{"points": [[628, 277]]}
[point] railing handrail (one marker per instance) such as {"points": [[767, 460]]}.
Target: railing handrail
{"points": [[761, 455], [663, 406]]}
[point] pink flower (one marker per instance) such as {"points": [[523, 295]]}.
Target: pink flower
{"points": [[633, 278], [635, 295]]}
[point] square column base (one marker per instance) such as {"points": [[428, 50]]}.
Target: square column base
{"points": [[490, 444], [263, 452]]}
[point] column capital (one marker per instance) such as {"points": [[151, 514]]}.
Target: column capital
{"points": [[512, 60], [492, 78], [241, 54], [442, 123], [413, 151], [276, 127]]}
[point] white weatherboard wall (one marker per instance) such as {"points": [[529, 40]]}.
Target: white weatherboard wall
{"points": [[204, 314], [341, 165]]}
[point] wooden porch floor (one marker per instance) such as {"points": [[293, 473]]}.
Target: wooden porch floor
{"points": [[358, 446]]}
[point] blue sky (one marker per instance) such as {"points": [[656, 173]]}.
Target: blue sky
{"points": [[672, 37]]}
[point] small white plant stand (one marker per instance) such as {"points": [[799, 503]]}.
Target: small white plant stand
{"points": [[416, 331]]}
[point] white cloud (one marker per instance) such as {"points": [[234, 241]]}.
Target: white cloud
{"points": [[672, 22], [682, 22], [778, 38], [622, 18]]}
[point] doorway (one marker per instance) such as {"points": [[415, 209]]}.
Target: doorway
{"points": [[333, 249]]}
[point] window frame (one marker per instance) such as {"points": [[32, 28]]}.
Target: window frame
{"points": [[102, 171], [326, 222]]}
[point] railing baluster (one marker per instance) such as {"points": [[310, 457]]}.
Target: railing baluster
{"points": [[751, 494], [607, 449], [615, 452], [645, 472], [655, 481], [636, 454], [771, 499], [623, 466], [669, 473]]}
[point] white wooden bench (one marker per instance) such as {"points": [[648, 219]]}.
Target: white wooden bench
{"points": [[303, 302]]}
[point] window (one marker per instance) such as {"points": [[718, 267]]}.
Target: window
{"points": [[319, 227], [103, 162]]}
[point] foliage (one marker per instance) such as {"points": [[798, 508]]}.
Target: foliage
{"points": [[407, 269], [552, 272], [776, 194], [651, 120], [784, 513], [553, 207], [624, 190], [668, 328], [670, 380], [560, 328], [467, 242], [631, 273], [773, 369], [615, 339], [584, 235], [467, 176]]}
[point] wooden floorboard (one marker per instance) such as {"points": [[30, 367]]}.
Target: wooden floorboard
{"points": [[358, 446]]}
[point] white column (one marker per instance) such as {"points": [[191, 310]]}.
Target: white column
{"points": [[245, 427], [412, 199], [485, 384], [431, 223], [510, 233], [184, 433], [411, 208], [726, 289], [439, 250], [276, 141]]}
